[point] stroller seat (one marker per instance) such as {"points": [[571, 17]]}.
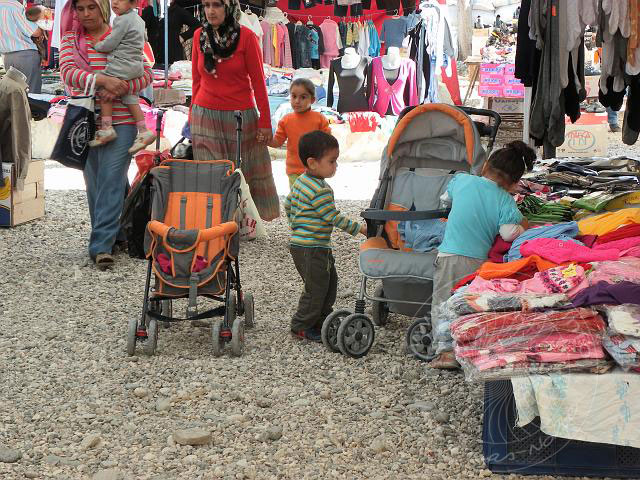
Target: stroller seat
{"points": [[378, 260], [193, 227]]}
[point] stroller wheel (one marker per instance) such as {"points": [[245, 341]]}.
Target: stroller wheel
{"points": [[131, 336], [379, 310], [151, 342], [356, 335], [166, 309], [248, 310], [237, 337], [232, 308], [217, 342], [420, 340], [330, 326]]}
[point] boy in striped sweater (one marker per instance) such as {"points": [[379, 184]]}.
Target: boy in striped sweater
{"points": [[312, 214]]}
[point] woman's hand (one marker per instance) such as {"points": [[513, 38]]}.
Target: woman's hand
{"points": [[106, 95], [264, 135], [113, 85]]}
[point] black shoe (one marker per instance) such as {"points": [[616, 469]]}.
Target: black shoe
{"points": [[310, 334], [614, 128]]}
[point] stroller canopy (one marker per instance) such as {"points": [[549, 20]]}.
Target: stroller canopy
{"points": [[435, 136]]}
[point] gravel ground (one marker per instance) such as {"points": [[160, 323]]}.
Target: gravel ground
{"points": [[74, 406]]}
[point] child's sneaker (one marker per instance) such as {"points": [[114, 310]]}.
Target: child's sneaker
{"points": [[103, 136], [142, 140], [310, 334]]}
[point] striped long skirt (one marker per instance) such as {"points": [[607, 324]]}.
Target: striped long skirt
{"points": [[213, 134]]}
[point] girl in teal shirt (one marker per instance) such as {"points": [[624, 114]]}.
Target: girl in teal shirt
{"points": [[482, 208]]}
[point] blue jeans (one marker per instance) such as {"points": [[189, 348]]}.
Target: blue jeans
{"points": [[105, 176], [612, 117]]}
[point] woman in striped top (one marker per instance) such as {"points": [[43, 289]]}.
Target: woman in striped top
{"points": [[85, 23]]}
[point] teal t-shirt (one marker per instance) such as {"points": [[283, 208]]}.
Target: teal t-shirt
{"points": [[480, 207]]}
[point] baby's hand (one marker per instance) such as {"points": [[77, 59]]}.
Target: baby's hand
{"points": [[363, 229]]}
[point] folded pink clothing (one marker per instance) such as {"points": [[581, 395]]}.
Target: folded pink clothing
{"points": [[622, 244], [627, 269], [562, 279], [560, 251]]}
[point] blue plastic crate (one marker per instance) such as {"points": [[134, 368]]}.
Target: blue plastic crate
{"points": [[529, 451]]}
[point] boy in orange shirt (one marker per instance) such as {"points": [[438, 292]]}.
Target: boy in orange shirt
{"points": [[295, 125]]}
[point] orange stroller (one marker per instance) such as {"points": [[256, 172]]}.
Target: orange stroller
{"points": [[192, 245]]}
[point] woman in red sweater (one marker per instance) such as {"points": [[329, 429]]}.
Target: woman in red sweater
{"points": [[227, 76]]}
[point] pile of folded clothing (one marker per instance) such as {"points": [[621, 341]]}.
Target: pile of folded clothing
{"points": [[544, 306]]}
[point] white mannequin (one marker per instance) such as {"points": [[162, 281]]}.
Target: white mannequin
{"points": [[391, 60], [350, 59]]}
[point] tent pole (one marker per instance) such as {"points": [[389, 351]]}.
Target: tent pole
{"points": [[166, 44]]}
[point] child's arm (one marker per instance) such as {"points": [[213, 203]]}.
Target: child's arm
{"points": [[287, 207], [511, 231], [324, 204], [280, 136], [109, 44]]}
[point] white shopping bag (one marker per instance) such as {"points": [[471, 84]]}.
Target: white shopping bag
{"points": [[251, 226]]}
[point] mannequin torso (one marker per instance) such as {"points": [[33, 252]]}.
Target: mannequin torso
{"points": [[350, 59], [391, 59]]}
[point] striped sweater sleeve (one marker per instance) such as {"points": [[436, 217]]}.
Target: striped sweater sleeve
{"points": [[323, 203], [71, 75]]}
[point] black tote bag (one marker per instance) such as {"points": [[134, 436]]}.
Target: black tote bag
{"points": [[78, 128]]}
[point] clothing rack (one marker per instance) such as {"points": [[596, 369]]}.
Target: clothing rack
{"points": [[299, 16]]}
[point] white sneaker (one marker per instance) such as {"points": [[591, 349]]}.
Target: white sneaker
{"points": [[142, 140], [103, 136]]}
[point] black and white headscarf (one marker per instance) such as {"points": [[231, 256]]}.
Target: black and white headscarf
{"points": [[220, 43]]}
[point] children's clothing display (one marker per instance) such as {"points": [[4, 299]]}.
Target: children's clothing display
{"points": [[352, 83], [394, 31], [332, 42], [391, 91]]}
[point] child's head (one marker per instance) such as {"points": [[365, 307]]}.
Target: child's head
{"points": [[122, 6], [34, 13], [508, 164], [319, 153], [303, 93]]}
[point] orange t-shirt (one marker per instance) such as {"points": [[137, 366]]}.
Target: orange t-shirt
{"points": [[291, 128]]}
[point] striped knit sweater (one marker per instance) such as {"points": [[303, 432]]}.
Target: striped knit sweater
{"points": [[312, 213], [76, 79]]}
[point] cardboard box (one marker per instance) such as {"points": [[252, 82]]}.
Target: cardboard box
{"points": [[592, 85], [489, 91], [586, 138], [513, 91], [493, 68], [18, 207], [491, 79], [508, 105]]}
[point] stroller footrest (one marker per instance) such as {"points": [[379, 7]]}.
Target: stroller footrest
{"points": [[214, 312]]}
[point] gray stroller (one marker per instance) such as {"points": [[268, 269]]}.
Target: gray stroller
{"points": [[429, 144]]}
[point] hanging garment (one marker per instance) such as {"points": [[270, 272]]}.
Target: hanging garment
{"points": [[393, 32], [363, 41], [374, 41], [352, 85], [178, 18], [382, 94], [15, 126], [302, 49], [267, 43], [332, 42], [252, 22], [418, 52]]}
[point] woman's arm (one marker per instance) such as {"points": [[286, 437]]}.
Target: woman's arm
{"points": [[142, 82], [195, 61], [253, 64]]}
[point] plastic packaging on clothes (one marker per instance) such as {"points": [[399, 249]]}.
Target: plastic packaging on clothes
{"points": [[467, 303], [503, 345], [183, 67], [625, 350], [442, 335], [528, 368], [623, 319], [506, 325]]}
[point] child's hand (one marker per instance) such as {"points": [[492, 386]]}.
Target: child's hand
{"points": [[363, 229]]}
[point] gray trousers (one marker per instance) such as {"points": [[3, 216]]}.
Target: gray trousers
{"points": [[28, 62], [450, 270]]}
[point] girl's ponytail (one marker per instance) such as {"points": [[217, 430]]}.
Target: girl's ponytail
{"points": [[512, 161]]}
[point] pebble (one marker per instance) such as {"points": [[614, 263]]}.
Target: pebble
{"points": [[192, 436], [90, 441], [9, 455], [441, 417], [163, 404], [108, 474], [422, 406], [30, 474], [302, 402], [355, 400], [263, 402], [140, 392]]}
